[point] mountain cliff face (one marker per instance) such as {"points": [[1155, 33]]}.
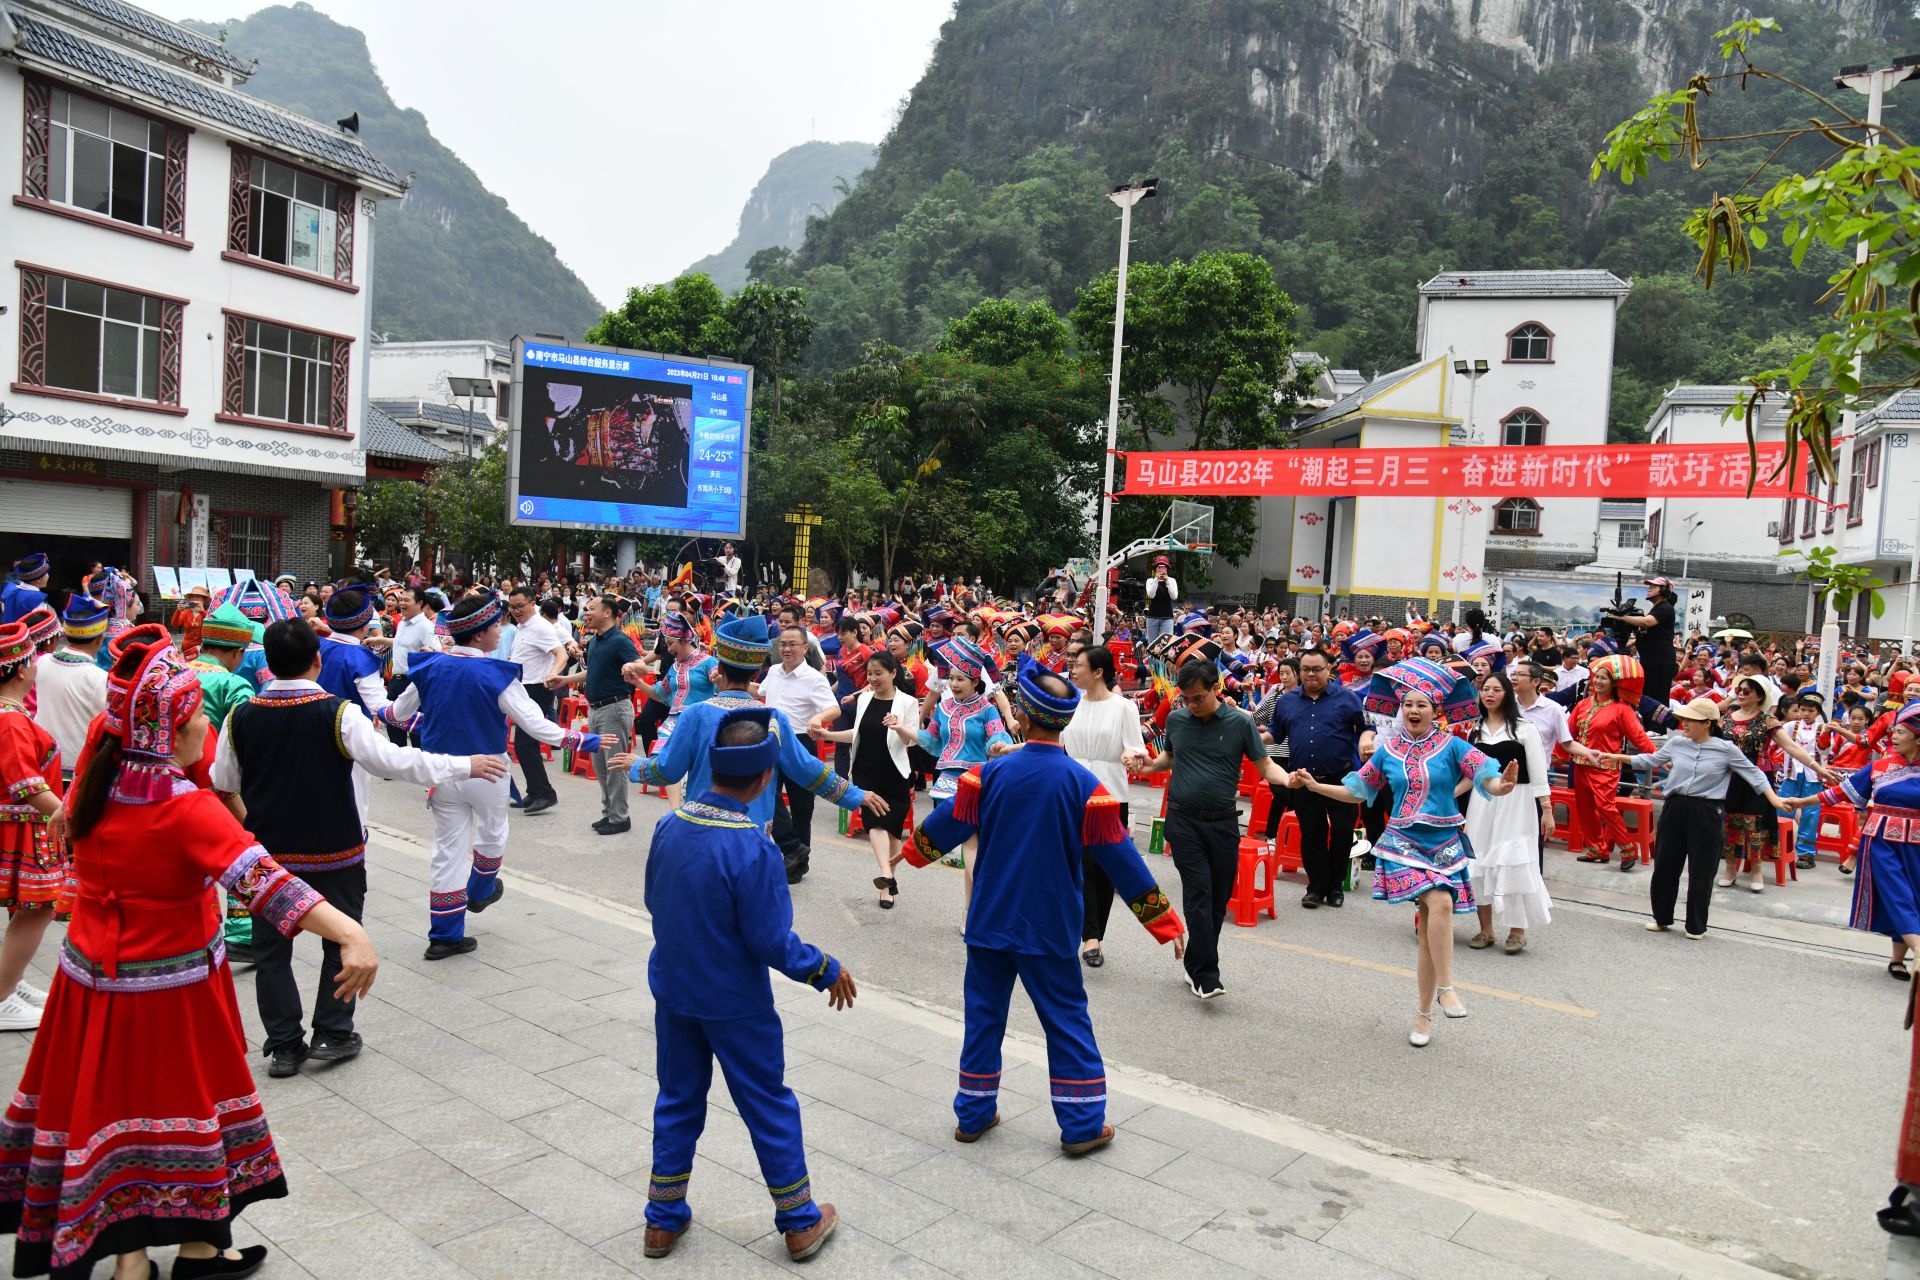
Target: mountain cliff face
{"points": [[453, 260], [807, 181]]}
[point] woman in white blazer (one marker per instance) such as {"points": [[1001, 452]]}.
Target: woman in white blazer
{"points": [[885, 722]]}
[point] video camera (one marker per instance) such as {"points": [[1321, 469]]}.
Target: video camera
{"points": [[1617, 609]]}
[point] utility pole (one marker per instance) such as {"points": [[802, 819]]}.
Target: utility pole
{"points": [[1126, 197]]}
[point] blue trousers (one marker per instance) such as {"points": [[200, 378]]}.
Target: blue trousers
{"points": [[1806, 823], [752, 1054], [1059, 995]]}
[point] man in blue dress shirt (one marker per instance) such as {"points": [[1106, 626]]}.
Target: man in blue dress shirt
{"points": [[1325, 729], [722, 917]]}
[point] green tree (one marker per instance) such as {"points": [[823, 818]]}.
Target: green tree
{"points": [[389, 512], [687, 316], [772, 330]]}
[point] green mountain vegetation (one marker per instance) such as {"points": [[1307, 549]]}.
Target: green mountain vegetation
{"points": [[453, 260], [802, 182]]}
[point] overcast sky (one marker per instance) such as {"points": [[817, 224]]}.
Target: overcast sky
{"points": [[679, 105]]}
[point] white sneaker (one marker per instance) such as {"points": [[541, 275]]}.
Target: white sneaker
{"points": [[31, 994], [17, 1015]]}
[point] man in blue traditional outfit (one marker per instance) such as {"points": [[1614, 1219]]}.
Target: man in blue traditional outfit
{"points": [[26, 587], [717, 887], [467, 699], [1036, 810], [741, 647]]}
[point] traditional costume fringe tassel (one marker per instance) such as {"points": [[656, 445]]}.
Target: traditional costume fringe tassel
{"points": [[966, 800], [1102, 823]]}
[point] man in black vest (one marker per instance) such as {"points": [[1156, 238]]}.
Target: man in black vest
{"points": [[289, 754]]}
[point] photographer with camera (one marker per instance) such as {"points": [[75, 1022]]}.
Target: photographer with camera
{"points": [[1655, 624]]}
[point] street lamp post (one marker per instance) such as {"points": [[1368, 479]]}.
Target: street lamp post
{"points": [[1126, 197], [473, 389], [1472, 372], [1686, 553]]}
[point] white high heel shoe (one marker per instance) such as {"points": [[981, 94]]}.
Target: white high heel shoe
{"points": [[1453, 1011], [1421, 1039]]}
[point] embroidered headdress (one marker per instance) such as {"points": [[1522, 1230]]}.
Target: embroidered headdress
{"points": [[42, 624], [351, 606], [1451, 693], [674, 626], [1496, 656], [748, 761], [964, 656], [150, 693], [479, 620], [1045, 709], [1629, 677], [226, 628], [16, 646], [743, 644], [1360, 641], [85, 619], [31, 567]]}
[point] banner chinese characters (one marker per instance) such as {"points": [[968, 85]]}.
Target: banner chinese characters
{"points": [[1612, 471]]}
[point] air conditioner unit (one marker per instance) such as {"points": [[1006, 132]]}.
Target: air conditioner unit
{"points": [[1773, 529]]}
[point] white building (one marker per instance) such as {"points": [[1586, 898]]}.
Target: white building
{"points": [[184, 356], [1883, 521], [419, 371]]}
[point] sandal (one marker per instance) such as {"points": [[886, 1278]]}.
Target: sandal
{"points": [[1898, 1217], [1897, 970], [1515, 944], [1451, 1010], [1480, 941], [1846, 868]]}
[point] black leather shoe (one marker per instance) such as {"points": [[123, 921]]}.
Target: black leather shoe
{"points": [[440, 949], [286, 1061], [541, 805], [1336, 899], [251, 1259], [335, 1050], [499, 892], [1310, 900], [615, 828]]}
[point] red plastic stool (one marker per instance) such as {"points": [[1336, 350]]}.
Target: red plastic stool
{"points": [[1286, 845], [1250, 778], [583, 764], [1640, 829], [1249, 900], [1262, 810], [1846, 821], [1784, 852], [1568, 832]]}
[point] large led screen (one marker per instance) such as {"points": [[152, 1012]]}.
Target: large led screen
{"points": [[628, 440]]}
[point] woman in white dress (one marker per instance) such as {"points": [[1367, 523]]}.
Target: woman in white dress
{"points": [[1504, 831], [1104, 731]]}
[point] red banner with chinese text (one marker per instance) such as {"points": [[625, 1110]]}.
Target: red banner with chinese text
{"points": [[1610, 471]]}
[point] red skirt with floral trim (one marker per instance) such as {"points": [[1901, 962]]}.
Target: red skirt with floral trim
{"points": [[33, 869], [136, 1124]]}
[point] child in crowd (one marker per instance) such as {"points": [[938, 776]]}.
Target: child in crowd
{"points": [[1851, 753], [1804, 730]]}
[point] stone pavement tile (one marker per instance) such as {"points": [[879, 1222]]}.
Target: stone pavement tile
{"points": [[373, 1016], [1244, 1151], [629, 1045], [859, 1141], [470, 1139], [501, 950], [1564, 1259], [1136, 1154], [431, 1002], [1268, 1249], [700, 1255], [1120, 1250], [606, 1083], [735, 1205], [382, 905], [634, 1004], [594, 1136], [1378, 1236], [1137, 1201], [884, 1208], [571, 980], [1032, 1080], [1021, 1210], [314, 1200], [471, 977], [1415, 1210], [428, 1196], [851, 1252], [375, 1083], [524, 1045], [1005, 1150], [1299, 1208], [525, 1246], [371, 1248], [937, 1081], [500, 1087], [971, 1250], [583, 1202], [288, 1092], [335, 1134], [421, 1046], [548, 1009], [580, 951], [852, 1051], [862, 1095]]}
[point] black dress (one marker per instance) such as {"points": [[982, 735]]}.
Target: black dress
{"points": [[873, 769]]}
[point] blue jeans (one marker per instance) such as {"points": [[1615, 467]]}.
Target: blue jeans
{"points": [[1806, 823], [1157, 627]]}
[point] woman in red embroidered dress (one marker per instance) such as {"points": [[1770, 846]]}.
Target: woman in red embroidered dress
{"points": [[136, 1123], [33, 865], [1604, 721]]}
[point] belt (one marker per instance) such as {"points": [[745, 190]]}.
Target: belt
{"points": [[608, 702], [1205, 815], [133, 976]]}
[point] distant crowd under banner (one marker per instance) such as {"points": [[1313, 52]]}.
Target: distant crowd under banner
{"points": [[1607, 471]]}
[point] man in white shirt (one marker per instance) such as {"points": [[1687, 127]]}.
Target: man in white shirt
{"points": [[730, 565], [1549, 720], [540, 651], [1572, 673], [71, 687], [802, 693], [414, 635]]}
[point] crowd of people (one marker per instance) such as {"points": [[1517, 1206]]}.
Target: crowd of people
{"points": [[152, 768]]}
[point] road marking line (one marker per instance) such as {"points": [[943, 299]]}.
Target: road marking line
{"points": [[1398, 972]]}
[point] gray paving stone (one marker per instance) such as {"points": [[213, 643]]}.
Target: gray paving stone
{"points": [[974, 1251], [732, 1204], [700, 1254], [581, 951], [472, 1140], [371, 1248], [1021, 1210], [334, 1134], [1244, 1151], [423, 1047], [937, 1081], [1005, 1150], [500, 1087], [431, 1002], [314, 1200], [1564, 1259], [583, 1202], [1414, 1209], [606, 1083], [855, 1052], [1135, 1154], [377, 1084], [1298, 1207], [863, 1095], [594, 1136], [548, 1009], [472, 976], [1268, 1249], [859, 1141], [502, 951], [851, 1252], [1120, 1250], [883, 1207], [1378, 1236], [428, 1196], [630, 1044], [1118, 1194], [526, 1246], [572, 981], [280, 1096], [524, 1045], [634, 1004]]}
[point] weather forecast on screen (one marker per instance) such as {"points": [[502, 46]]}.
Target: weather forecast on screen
{"points": [[628, 440]]}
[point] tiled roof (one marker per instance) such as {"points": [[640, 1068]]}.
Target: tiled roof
{"points": [[1722, 394], [1903, 406], [1623, 508], [1579, 283], [1354, 399], [439, 415], [146, 24], [294, 134], [382, 437]]}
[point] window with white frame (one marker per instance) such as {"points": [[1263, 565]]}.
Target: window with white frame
{"points": [[1517, 515], [291, 218], [101, 340], [1523, 427], [288, 374], [1531, 343], [106, 160], [1633, 535]]}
